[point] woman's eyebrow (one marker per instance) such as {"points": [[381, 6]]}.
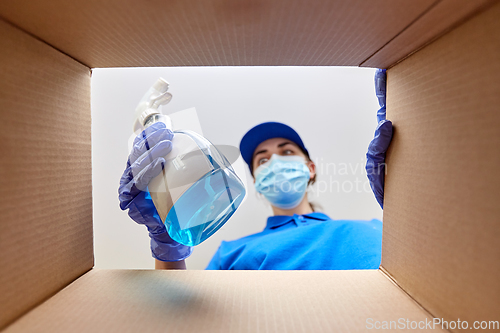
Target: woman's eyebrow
{"points": [[284, 143], [260, 152], [265, 150]]}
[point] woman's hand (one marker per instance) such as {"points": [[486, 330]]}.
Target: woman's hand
{"points": [[375, 157], [145, 162]]}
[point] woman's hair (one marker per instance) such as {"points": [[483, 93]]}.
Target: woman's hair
{"points": [[311, 181]]}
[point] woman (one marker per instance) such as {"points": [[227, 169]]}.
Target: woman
{"points": [[295, 237]]}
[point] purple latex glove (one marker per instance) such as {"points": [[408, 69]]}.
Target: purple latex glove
{"points": [[144, 163], [375, 157]]}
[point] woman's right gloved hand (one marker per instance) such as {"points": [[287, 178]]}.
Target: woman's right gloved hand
{"points": [[144, 163], [375, 157]]}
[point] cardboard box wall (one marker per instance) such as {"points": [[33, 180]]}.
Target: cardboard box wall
{"points": [[441, 214]]}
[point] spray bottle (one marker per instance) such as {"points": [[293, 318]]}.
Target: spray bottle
{"points": [[198, 189]]}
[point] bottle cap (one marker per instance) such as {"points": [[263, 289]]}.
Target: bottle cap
{"points": [[139, 121], [161, 85]]}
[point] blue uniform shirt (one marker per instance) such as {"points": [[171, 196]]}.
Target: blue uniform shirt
{"points": [[310, 241]]}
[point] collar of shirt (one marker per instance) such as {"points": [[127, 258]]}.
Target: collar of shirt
{"points": [[274, 222]]}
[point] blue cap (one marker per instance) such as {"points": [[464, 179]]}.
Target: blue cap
{"points": [[260, 133]]}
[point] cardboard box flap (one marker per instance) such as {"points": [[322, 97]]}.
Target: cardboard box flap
{"points": [[439, 19], [441, 209], [45, 172], [121, 33], [229, 301]]}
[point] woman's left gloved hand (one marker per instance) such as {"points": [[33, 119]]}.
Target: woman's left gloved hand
{"points": [[144, 163], [375, 157]]}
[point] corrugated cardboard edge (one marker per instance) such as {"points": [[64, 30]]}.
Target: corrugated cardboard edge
{"points": [[223, 301], [127, 33], [386, 274], [46, 236], [441, 209], [2, 18], [437, 21]]}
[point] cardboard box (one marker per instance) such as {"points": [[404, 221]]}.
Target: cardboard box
{"points": [[440, 255]]}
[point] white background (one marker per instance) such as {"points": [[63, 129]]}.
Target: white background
{"points": [[332, 108]]}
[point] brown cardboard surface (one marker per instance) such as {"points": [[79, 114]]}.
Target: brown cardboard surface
{"points": [[439, 19], [121, 33], [441, 210], [222, 301], [45, 172]]}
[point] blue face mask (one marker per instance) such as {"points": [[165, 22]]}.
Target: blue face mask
{"points": [[283, 180]]}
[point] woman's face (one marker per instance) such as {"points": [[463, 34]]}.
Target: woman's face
{"points": [[278, 146]]}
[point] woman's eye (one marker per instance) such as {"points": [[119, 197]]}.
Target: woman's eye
{"points": [[262, 161], [287, 152]]}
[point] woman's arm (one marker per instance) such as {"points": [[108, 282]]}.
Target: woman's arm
{"points": [[181, 264]]}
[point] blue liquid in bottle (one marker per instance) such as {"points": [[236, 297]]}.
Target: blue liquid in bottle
{"points": [[205, 207]]}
